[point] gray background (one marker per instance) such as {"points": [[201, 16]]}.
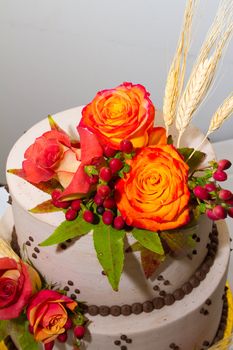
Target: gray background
{"points": [[56, 54]]}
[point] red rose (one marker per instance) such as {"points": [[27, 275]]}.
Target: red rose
{"points": [[18, 282], [47, 314]]}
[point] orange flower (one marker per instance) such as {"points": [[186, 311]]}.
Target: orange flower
{"points": [[154, 195], [47, 314], [125, 112]]}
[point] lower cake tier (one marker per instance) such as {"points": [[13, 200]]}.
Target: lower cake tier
{"points": [[188, 324]]}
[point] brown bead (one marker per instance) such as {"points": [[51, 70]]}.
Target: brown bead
{"points": [[104, 310], [156, 288], [200, 275], [178, 294], [115, 310], [169, 299], [137, 308], [160, 278], [70, 283], [147, 306], [31, 238], [117, 342], [128, 341], [28, 243], [123, 337], [34, 255], [205, 268], [166, 283], [158, 302], [162, 293], [73, 296], [187, 288], [37, 250], [208, 302], [77, 291], [126, 310], [93, 310], [194, 281]]}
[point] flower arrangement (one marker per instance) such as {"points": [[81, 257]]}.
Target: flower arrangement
{"points": [[32, 310]]}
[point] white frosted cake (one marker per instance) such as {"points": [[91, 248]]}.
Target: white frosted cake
{"points": [[178, 307]]}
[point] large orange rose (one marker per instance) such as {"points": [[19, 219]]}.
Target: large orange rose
{"points": [[154, 195], [125, 112]]}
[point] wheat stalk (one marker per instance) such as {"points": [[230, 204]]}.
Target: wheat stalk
{"points": [[176, 73], [223, 112], [198, 85]]}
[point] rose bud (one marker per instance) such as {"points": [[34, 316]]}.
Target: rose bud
{"points": [[220, 212], [201, 193], [224, 164], [220, 175], [225, 194]]}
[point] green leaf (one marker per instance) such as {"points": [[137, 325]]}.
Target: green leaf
{"points": [[67, 230], [195, 160], [109, 246], [45, 207], [150, 262], [135, 247], [4, 329], [126, 169], [24, 338], [149, 240]]}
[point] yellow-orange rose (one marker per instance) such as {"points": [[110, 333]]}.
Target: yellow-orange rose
{"points": [[125, 112], [154, 195]]}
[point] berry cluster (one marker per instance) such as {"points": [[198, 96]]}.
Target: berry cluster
{"points": [[215, 201], [103, 178]]}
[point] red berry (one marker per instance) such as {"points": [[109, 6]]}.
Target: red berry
{"points": [[220, 175], [126, 146], [107, 217], [201, 193], [62, 338], [230, 202], [210, 187], [103, 191], [115, 165], [60, 204], [105, 174], [109, 203], [71, 214], [49, 346], [119, 222], [88, 216], [220, 212], [109, 152], [230, 212], [98, 199], [79, 332], [93, 179], [225, 195], [211, 215], [76, 204], [69, 324], [56, 194], [224, 164]]}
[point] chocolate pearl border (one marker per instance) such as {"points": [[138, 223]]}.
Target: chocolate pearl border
{"points": [[167, 299]]}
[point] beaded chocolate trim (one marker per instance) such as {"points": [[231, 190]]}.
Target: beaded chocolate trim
{"points": [[167, 299]]}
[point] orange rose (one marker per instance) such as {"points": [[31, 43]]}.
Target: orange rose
{"points": [[125, 112], [154, 195], [47, 314]]}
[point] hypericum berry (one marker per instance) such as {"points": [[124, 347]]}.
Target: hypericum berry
{"points": [[107, 217], [210, 187], [230, 202], [126, 146], [224, 164], [225, 195], [201, 193], [79, 332], [98, 199], [109, 152], [103, 191], [100, 210], [115, 165], [71, 214], [61, 204], [88, 216], [76, 204], [69, 324], [56, 194], [105, 174], [220, 175], [49, 346], [109, 203], [93, 179], [211, 215], [230, 212], [119, 222], [62, 338], [220, 212]]}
